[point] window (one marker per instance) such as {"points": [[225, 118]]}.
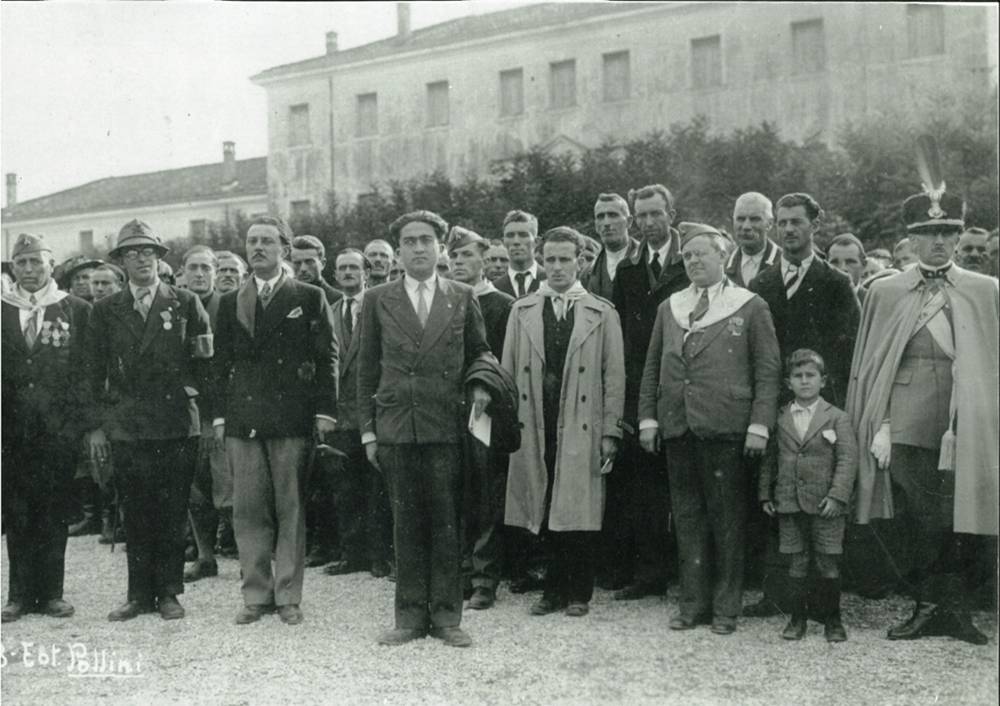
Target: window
{"points": [[437, 103], [808, 47], [367, 115], [298, 125], [617, 76], [198, 229], [562, 84], [301, 209], [706, 62], [512, 92], [86, 240], [925, 27]]}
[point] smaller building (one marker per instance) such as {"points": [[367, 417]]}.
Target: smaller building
{"points": [[177, 203]]}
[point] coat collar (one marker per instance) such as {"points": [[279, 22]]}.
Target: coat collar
{"points": [[587, 314], [820, 417]]}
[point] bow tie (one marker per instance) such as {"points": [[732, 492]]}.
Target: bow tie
{"points": [[935, 274]]}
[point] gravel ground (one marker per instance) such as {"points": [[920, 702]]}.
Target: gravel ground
{"points": [[620, 653]]}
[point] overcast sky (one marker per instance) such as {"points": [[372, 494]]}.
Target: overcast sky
{"points": [[91, 89]]}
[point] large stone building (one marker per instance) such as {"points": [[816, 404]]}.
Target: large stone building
{"points": [[177, 203], [461, 95]]}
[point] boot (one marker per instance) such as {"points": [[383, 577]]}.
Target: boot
{"points": [[924, 622], [796, 596], [828, 600]]}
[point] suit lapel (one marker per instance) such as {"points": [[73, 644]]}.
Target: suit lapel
{"points": [[787, 425], [349, 341], [397, 304], [709, 335], [441, 313], [820, 417], [163, 301], [585, 320], [12, 328], [246, 305], [810, 279], [122, 308], [281, 303]]}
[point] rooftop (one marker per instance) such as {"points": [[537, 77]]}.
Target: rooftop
{"points": [[460, 30], [184, 185]]}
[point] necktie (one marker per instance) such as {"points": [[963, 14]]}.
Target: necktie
{"points": [[349, 317], [422, 304], [655, 266], [31, 330], [265, 294], [559, 307], [791, 279], [519, 278], [699, 309], [142, 300]]}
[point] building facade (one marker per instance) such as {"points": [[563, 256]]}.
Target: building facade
{"points": [[177, 203], [461, 96]]}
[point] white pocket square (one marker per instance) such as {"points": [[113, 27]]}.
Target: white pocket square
{"points": [[830, 435], [295, 313]]}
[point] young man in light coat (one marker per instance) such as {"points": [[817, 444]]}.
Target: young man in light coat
{"points": [[564, 349]]}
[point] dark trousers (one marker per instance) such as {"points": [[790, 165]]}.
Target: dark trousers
{"points": [[364, 520], [487, 477], [924, 498], [424, 483], [322, 507], [709, 489], [154, 478], [37, 502]]}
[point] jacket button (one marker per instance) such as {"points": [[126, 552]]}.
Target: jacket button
{"points": [[687, 382], [31, 385], [585, 427], [524, 396], [527, 369], [583, 398], [168, 397], [249, 398], [30, 361], [582, 369], [280, 361]]}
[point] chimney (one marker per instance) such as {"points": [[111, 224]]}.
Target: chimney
{"points": [[228, 162], [11, 189], [331, 42], [402, 20]]}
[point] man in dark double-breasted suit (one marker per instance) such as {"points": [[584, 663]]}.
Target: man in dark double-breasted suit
{"points": [[636, 528], [418, 337], [277, 368], [709, 395], [149, 346], [44, 399]]}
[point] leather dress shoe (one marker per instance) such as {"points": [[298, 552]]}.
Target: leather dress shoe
{"points": [[923, 623], [546, 605], [834, 630], [290, 614], [380, 569], [452, 636], [320, 557], [482, 598], [796, 628], [400, 636], [252, 613], [683, 622], [723, 626], [199, 570], [577, 609], [57, 608], [340, 568], [764, 608], [129, 610], [12, 611], [170, 608]]}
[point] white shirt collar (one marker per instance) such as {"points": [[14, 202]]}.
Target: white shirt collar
{"points": [[411, 284], [664, 251], [532, 272], [713, 289], [803, 266], [757, 257], [273, 281], [151, 287], [810, 409]]}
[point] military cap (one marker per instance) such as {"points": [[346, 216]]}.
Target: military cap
{"points": [[692, 230], [934, 210], [137, 234], [459, 237], [27, 243], [74, 265]]}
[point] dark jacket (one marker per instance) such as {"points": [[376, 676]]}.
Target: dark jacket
{"points": [[734, 265], [598, 281], [823, 315], [279, 373], [505, 434], [146, 375], [347, 390], [496, 308], [410, 378], [636, 297], [333, 295], [506, 285]]}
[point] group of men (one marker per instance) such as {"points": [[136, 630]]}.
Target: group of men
{"points": [[580, 413]]}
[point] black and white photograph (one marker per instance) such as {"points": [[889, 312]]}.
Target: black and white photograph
{"points": [[499, 352]]}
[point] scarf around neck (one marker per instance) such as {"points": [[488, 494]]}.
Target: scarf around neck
{"points": [[49, 294]]}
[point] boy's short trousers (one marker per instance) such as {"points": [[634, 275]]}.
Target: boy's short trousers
{"points": [[799, 532]]}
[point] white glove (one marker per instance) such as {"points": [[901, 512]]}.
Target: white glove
{"points": [[882, 446]]}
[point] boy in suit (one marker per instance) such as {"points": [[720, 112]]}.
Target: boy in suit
{"points": [[807, 482]]}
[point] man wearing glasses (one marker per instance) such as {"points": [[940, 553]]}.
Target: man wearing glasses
{"points": [[147, 357]]}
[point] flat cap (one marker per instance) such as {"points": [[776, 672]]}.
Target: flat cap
{"points": [[27, 243], [137, 234]]}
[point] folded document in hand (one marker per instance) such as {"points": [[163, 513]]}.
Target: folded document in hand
{"points": [[481, 428]]}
